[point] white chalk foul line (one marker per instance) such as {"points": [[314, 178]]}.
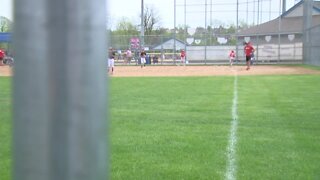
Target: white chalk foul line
{"points": [[231, 149]]}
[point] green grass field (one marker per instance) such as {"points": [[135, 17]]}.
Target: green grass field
{"points": [[5, 128], [179, 128]]}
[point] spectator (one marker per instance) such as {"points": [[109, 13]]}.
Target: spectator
{"points": [[155, 59], [128, 56], [119, 53]]}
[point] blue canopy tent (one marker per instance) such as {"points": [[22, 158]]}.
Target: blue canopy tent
{"points": [[5, 41], [5, 37]]}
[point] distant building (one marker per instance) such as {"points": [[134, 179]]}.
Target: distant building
{"points": [[290, 22], [169, 45], [289, 27]]}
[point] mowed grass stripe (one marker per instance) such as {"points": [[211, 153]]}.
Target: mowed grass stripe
{"points": [[170, 128], [279, 133]]}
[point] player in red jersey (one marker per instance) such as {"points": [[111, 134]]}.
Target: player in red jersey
{"points": [[183, 57], [232, 56], [248, 50]]}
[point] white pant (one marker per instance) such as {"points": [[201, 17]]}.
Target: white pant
{"points": [[111, 62], [183, 59], [143, 60], [231, 60]]}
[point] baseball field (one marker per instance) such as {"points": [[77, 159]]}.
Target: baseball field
{"points": [[204, 122]]}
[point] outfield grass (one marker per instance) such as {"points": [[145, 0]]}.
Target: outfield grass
{"points": [[170, 128], [279, 127], [5, 128], [184, 129], [179, 128]]}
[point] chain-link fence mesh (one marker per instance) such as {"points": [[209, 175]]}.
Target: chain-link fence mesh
{"points": [[314, 56], [201, 28], [281, 48]]}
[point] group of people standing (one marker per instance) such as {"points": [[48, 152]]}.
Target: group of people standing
{"points": [[112, 55], [143, 56], [249, 53], [6, 58]]}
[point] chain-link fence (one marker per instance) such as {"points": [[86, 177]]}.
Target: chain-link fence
{"points": [[202, 29], [281, 48], [314, 46], [275, 48], [160, 49]]}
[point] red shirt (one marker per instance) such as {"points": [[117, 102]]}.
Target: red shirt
{"points": [[2, 54], [248, 49], [232, 54], [183, 54]]}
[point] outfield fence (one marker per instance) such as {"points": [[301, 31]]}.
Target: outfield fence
{"points": [[277, 33], [284, 48]]}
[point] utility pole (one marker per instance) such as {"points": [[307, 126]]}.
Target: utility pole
{"points": [[237, 31], [247, 12], [279, 33], [185, 25], [174, 33], [206, 33], [258, 13], [284, 6], [142, 26]]}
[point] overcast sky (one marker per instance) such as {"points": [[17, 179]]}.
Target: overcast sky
{"points": [[221, 11], [6, 8]]}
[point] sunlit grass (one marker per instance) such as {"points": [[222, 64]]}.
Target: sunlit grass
{"points": [[178, 128]]}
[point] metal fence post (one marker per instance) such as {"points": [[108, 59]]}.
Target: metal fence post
{"points": [[206, 33], [142, 27], [307, 24], [59, 126], [279, 34], [174, 33], [237, 32]]}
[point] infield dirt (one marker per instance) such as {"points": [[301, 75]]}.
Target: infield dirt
{"points": [[156, 71]]}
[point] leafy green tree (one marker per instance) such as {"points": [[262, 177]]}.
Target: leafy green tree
{"points": [[125, 30], [125, 27], [5, 24]]}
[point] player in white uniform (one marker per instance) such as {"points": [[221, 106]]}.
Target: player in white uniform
{"points": [[143, 58], [111, 60]]}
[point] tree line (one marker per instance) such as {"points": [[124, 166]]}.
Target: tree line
{"points": [[154, 34]]}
